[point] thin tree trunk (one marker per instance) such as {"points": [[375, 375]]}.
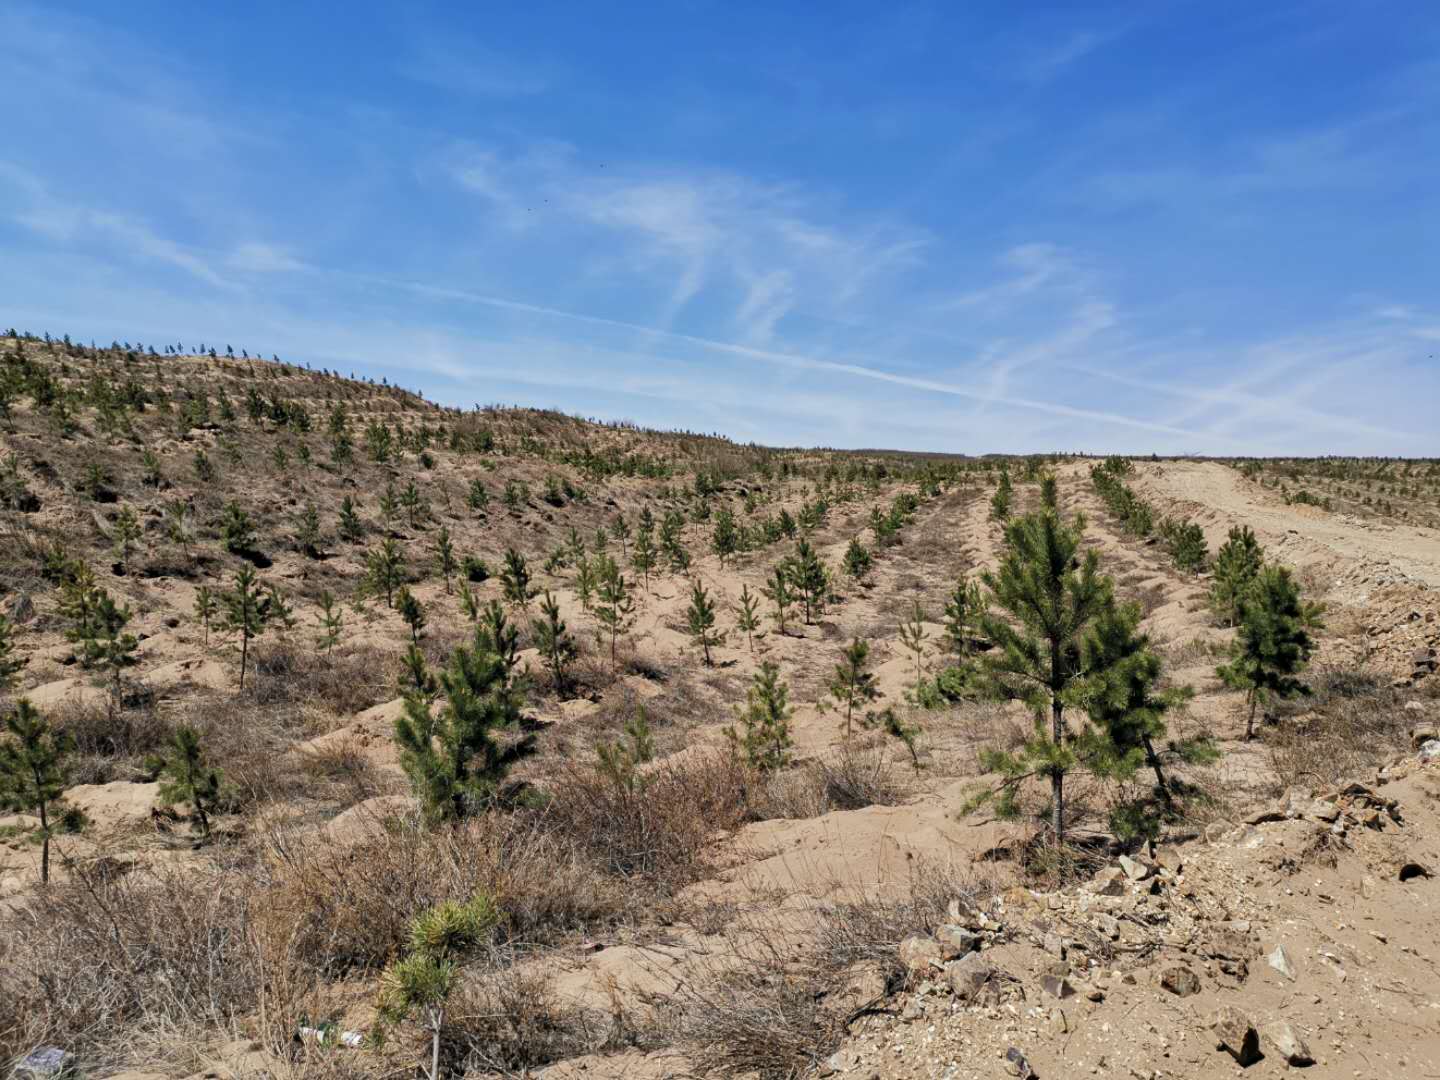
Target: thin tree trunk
{"points": [[44, 844], [1250, 719], [244, 655], [1154, 760]]}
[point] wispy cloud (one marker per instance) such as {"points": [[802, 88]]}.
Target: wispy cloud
{"points": [[476, 69]]}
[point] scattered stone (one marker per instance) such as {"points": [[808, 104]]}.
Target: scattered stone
{"points": [[1430, 751], [956, 941], [919, 953], [1236, 1034], [1109, 882], [1016, 1065], [1180, 981], [1057, 986], [21, 609], [1287, 1043], [1135, 869], [1168, 858], [44, 1064], [1280, 961]]}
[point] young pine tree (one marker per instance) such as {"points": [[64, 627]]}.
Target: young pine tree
{"points": [[332, 622], [206, 607], [352, 529], [853, 684], [385, 569], [620, 530], [1272, 645], [422, 980], [1127, 711], [857, 559], [1051, 596], [614, 604], [1000, 501], [515, 579], [412, 611], [245, 613], [777, 589], [807, 575], [1237, 564], [747, 615], [457, 759], [445, 556], [237, 532], [642, 558], [913, 637], [764, 739], [700, 618], [107, 645], [10, 664], [307, 531], [495, 634], [186, 777], [33, 774], [963, 610], [552, 638]]}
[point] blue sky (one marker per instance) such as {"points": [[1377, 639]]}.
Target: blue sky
{"points": [[1009, 226]]}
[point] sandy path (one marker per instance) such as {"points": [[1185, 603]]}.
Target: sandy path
{"points": [[1217, 497]]}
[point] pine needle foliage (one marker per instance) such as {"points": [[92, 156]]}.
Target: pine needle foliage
{"points": [[1043, 598]]}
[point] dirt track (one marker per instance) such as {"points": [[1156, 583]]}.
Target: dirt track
{"points": [[1217, 497]]}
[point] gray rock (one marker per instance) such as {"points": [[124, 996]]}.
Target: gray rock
{"points": [[1057, 986], [1180, 981], [1236, 1034], [1016, 1065], [956, 941], [1287, 1043], [919, 953], [21, 609], [1280, 961], [1135, 869], [1109, 882], [44, 1064]]}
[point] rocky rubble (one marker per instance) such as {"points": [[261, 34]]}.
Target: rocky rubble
{"points": [[1290, 938]]}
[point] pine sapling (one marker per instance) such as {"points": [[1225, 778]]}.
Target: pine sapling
{"points": [[700, 617], [764, 739], [853, 684], [186, 777], [747, 615], [33, 772], [412, 611], [553, 639]]}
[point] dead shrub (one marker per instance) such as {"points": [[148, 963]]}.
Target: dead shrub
{"points": [[289, 672], [857, 778], [1352, 719], [658, 829], [97, 961], [509, 1022], [335, 911], [110, 747]]}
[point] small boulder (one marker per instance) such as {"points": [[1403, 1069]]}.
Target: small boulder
{"points": [[1109, 882], [1236, 1034], [45, 1063], [956, 941], [1287, 1042], [919, 953], [1057, 986], [1180, 981], [1016, 1065], [1280, 961], [1135, 869]]}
